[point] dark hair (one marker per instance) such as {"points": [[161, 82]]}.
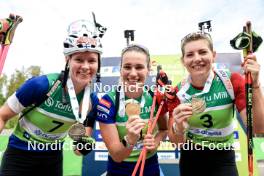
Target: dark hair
{"points": [[138, 48]]}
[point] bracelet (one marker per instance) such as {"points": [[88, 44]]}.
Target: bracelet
{"points": [[126, 144], [175, 130]]}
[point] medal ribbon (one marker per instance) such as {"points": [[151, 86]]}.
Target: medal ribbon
{"points": [[183, 96], [75, 104], [122, 102]]}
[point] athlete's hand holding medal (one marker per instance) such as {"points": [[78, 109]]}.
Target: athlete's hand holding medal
{"points": [[82, 144], [134, 124], [184, 111]]}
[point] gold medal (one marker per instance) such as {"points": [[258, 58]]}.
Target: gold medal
{"points": [[198, 105], [77, 131], [132, 108]]}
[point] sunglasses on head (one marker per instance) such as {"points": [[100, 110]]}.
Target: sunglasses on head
{"points": [[194, 35], [141, 47]]}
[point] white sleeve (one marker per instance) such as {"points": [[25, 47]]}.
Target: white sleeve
{"points": [[14, 103]]}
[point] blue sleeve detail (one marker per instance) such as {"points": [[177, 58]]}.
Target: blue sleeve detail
{"points": [[33, 90], [106, 110], [91, 117]]}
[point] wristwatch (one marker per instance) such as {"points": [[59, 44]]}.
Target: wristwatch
{"points": [[126, 143]]}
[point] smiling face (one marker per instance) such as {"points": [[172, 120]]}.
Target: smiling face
{"points": [[198, 59], [134, 68], [83, 67]]}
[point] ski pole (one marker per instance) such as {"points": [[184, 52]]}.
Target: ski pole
{"points": [[142, 157], [248, 87], [150, 131], [158, 82], [149, 124], [167, 95], [249, 42], [7, 31], [162, 80], [5, 24]]}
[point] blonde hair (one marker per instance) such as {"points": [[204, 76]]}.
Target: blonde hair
{"points": [[194, 37]]}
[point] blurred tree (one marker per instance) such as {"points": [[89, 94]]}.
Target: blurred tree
{"points": [[33, 71], [20, 76], [15, 81], [3, 81]]}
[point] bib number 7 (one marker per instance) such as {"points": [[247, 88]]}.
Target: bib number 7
{"points": [[58, 125]]}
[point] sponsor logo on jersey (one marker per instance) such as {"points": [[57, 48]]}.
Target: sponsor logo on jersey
{"points": [[105, 103], [61, 106], [207, 132], [145, 109], [47, 136], [49, 102], [101, 108], [58, 104], [101, 116]]}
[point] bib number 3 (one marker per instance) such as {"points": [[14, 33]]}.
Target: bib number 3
{"points": [[207, 120]]}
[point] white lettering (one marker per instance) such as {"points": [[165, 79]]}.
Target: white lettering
{"points": [[101, 108], [101, 115], [148, 109], [220, 95], [61, 106], [208, 98]]}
